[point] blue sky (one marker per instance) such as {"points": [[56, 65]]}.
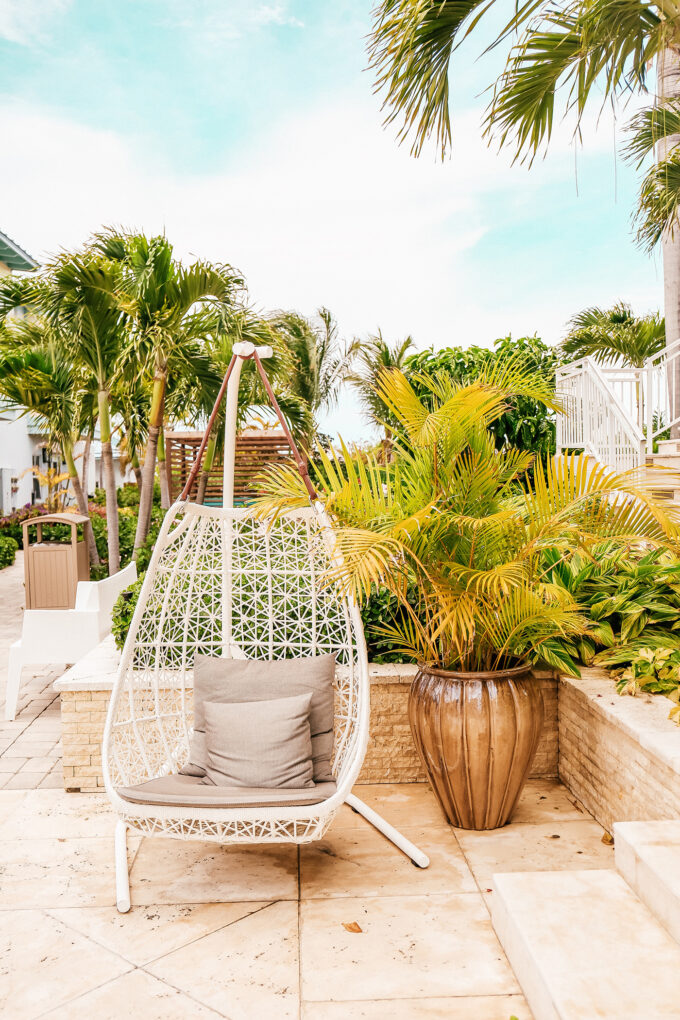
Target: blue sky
{"points": [[249, 132]]}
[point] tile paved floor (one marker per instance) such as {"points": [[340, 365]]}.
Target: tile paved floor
{"points": [[258, 932], [30, 748], [252, 932]]}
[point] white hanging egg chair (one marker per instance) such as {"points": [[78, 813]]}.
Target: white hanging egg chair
{"points": [[222, 582]]}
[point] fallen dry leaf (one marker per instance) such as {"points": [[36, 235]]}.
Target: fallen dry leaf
{"points": [[352, 927], [608, 839]]}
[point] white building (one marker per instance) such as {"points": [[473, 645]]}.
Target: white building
{"points": [[22, 445]]}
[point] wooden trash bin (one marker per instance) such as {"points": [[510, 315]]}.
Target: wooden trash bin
{"points": [[52, 569]]}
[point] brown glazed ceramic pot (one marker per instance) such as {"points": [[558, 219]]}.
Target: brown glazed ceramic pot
{"points": [[476, 734]]}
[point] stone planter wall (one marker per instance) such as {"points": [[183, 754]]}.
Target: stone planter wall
{"points": [[620, 756], [391, 756]]}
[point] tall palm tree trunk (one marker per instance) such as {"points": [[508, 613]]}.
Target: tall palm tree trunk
{"points": [[668, 88], [163, 470], [134, 460], [109, 483], [148, 474], [206, 468], [85, 477], [81, 500]]}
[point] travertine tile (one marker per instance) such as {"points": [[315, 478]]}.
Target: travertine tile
{"points": [[135, 996], [549, 846], [477, 1007], [409, 946], [362, 862], [547, 800], [47, 814], [248, 970], [147, 933], [173, 871], [25, 781], [44, 964], [58, 872], [410, 804]]}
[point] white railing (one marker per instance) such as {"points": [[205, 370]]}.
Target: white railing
{"points": [[597, 418], [660, 392], [616, 413]]}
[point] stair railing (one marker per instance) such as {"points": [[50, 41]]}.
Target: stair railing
{"points": [[660, 396], [596, 419]]}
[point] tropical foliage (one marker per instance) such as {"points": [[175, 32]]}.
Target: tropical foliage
{"points": [[525, 422], [456, 520], [615, 335], [376, 355], [320, 361], [632, 602], [8, 550], [562, 58], [121, 340]]}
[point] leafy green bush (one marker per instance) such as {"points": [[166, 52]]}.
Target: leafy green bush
{"points": [[8, 550], [652, 671], [10, 524], [128, 495], [123, 611], [633, 602], [382, 609], [526, 424]]}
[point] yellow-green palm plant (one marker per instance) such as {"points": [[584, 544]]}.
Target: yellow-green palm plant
{"points": [[457, 532]]}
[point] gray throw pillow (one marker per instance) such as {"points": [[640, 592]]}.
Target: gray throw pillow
{"points": [[237, 680], [260, 743]]}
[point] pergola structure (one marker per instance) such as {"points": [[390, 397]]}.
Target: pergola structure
{"points": [[255, 449]]}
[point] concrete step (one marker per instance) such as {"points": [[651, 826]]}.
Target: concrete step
{"points": [[648, 857], [669, 446], [664, 460], [583, 946]]}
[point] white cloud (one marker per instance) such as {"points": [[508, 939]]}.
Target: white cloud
{"points": [[27, 21], [214, 22], [275, 14], [324, 209]]}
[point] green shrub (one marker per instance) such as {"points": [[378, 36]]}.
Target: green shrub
{"points": [[123, 611], [8, 550], [633, 603], [10, 524], [526, 424], [382, 609], [128, 495]]}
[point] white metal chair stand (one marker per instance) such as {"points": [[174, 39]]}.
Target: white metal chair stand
{"points": [[224, 583]]}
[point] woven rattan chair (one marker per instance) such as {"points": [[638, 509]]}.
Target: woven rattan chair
{"points": [[224, 583]]}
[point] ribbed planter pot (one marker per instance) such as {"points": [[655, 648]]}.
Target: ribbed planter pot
{"points": [[476, 734]]}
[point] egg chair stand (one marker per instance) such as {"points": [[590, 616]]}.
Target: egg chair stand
{"points": [[223, 582]]}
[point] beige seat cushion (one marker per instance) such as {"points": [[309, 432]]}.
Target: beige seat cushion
{"points": [[259, 743], [190, 791], [238, 680]]}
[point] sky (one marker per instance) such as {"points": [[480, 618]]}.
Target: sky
{"points": [[249, 132]]}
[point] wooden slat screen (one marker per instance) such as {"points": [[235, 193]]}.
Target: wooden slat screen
{"points": [[254, 450]]}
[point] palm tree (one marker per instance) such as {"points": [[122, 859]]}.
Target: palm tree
{"points": [[79, 296], [454, 529], [160, 297], [321, 361], [556, 50], [375, 356], [39, 377], [613, 334]]}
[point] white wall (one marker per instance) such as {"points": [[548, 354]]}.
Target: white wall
{"points": [[17, 448]]}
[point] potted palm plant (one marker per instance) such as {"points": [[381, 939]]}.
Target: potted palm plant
{"points": [[466, 527]]}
